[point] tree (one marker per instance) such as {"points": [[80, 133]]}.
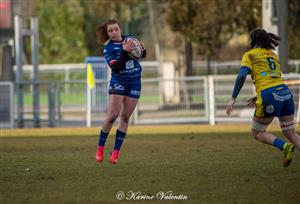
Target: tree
{"points": [[130, 13], [210, 24], [207, 24], [95, 12], [61, 33], [294, 29], [247, 15], [181, 16]]}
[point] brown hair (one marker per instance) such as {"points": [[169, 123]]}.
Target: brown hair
{"points": [[261, 38], [101, 30]]}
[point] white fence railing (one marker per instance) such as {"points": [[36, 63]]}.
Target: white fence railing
{"points": [[149, 68], [199, 99]]}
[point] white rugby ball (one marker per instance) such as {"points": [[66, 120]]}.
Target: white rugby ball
{"points": [[136, 52]]}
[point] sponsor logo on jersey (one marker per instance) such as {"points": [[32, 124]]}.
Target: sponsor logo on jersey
{"points": [[117, 87], [281, 98], [264, 73], [135, 92], [129, 64], [270, 109]]}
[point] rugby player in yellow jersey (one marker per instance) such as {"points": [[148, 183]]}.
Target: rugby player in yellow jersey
{"points": [[273, 96]]}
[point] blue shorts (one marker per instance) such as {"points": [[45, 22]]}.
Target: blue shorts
{"points": [[275, 101], [130, 89]]}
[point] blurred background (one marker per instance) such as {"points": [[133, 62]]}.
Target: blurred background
{"points": [[194, 48]]}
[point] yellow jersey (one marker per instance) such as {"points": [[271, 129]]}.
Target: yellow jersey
{"points": [[264, 66]]}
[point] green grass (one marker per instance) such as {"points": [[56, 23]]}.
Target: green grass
{"points": [[69, 99], [205, 164], [149, 99]]}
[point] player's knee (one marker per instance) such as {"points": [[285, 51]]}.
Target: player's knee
{"points": [[258, 129], [258, 126], [125, 118], [287, 126], [256, 135], [291, 134], [112, 117]]}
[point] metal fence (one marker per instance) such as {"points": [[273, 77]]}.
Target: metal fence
{"points": [[217, 68], [200, 100], [181, 100], [6, 105], [150, 69], [173, 101]]}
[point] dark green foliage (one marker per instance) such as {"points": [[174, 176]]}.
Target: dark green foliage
{"points": [[61, 32], [67, 27], [294, 29], [210, 24]]}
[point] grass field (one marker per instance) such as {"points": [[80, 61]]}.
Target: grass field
{"points": [[221, 164]]}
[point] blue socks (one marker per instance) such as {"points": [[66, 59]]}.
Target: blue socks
{"points": [[278, 143], [102, 138], [119, 139], [118, 142]]}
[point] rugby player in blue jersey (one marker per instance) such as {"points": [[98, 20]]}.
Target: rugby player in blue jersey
{"points": [[124, 87], [274, 99]]}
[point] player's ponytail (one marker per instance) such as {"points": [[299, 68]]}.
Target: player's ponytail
{"points": [[261, 38], [274, 40], [101, 31], [101, 34]]}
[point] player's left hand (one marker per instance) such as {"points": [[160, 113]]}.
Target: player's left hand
{"points": [[251, 102], [229, 108], [142, 45]]}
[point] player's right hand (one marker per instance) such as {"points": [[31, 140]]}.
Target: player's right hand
{"points": [[229, 108], [127, 45]]}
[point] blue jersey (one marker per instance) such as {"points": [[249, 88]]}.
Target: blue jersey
{"points": [[132, 69]]}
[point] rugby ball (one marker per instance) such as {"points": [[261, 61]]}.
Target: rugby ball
{"points": [[136, 52]]}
